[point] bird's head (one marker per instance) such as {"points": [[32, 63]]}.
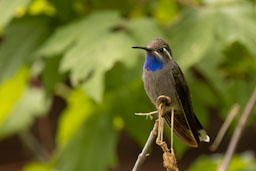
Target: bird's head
{"points": [[158, 48]]}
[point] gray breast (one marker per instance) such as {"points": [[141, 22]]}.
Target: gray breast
{"points": [[160, 82]]}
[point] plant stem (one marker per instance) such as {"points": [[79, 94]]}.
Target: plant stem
{"points": [[231, 115], [34, 146], [238, 131]]}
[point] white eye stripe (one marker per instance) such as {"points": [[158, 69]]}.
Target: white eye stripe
{"points": [[157, 53], [166, 51]]}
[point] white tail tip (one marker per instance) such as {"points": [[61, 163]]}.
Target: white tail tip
{"points": [[203, 136]]}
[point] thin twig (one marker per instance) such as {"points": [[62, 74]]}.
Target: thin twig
{"points": [[231, 115], [169, 159], [149, 114], [146, 114], [34, 146], [145, 152], [238, 131]]}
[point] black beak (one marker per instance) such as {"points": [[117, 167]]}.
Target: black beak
{"points": [[144, 48]]}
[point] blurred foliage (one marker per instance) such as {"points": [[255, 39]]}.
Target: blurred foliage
{"points": [[245, 161], [81, 51], [80, 106], [19, 102]]}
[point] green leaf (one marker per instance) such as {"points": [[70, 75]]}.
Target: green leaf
{"points": [[21, 38], [41, 7], [205, 162], [92, 148], [69, 35], [199, 39], [19, 104], [244, 161], [10, 92], [201, 103], [125, 96], [88, 65], [166, 10], [30, 105], [237, 23], [37, 167], [91, 55], [190, 45], [98, 63], [197, 31], [79, 109], [144, 30], [231, 68], [127, 105], [229, 87], [51, 75], [65, 9], [10, 8]]}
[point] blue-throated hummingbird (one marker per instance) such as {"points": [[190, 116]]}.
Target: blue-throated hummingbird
{"points": [[163, 76]]}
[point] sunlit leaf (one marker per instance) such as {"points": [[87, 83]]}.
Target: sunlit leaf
{"points": [[69, 35], [31, 104], [79, 109], [41, 6], [37, 167], [10, 92], [20, 105], [118, 123], [100, 58], [93, 54], [166, 10], [9, 9]]}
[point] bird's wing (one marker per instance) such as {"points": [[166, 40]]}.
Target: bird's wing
{"points": [[185, 125]]}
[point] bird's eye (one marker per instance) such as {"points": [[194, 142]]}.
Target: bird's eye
{"points": [[161, 50]]}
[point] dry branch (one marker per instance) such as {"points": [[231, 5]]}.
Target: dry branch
{"points": [[231, 115], [145, 152], [169, 159], [238, 131]]}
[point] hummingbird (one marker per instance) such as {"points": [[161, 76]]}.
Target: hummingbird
{"points": [[163, 76]]}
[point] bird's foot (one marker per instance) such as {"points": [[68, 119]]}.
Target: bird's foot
{"points": [[163, 100], [148, 115]]}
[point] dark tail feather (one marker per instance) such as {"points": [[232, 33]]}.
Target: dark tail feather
{"points": [[182, 129], [202, 133]]}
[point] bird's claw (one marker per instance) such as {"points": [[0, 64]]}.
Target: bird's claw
{"points": [[148, 115], [163, 100]]}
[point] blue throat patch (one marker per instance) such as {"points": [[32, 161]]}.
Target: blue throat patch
{"points": [[153, 63]]}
